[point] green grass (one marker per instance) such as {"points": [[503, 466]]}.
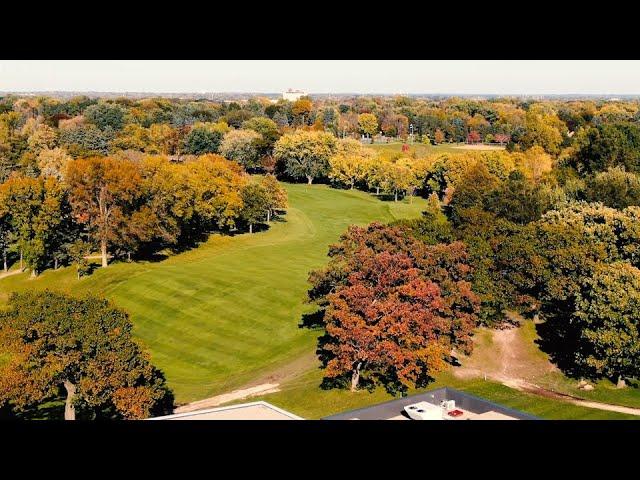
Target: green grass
{"points": [[217, 316], [303, 397]]}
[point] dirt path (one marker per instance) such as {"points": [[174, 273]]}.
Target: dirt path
{"points": [[8, 274], [508, 362], [266, 383]]}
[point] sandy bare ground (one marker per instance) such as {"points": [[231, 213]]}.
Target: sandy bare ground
{"points": [[479, 147], [267, 383], [508, 361]]}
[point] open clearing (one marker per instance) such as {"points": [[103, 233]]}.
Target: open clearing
{"points": [[226, 314]]}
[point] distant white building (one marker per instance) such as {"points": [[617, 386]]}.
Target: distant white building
{"points": [[293, 95]]}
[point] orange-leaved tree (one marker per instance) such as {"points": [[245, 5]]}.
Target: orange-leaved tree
{"points": [[395, 308], [102, 192]]}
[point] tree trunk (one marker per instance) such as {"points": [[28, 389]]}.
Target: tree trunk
{"points": [[377, 190], [251, 228], [78, 271], [4, 257], [103, 251], [55, 263], [309, 180], [355, 377], [396, 196], [128, 256], [352, 185], [69, 408], [21, 265], [621, 382], [34, 272], [268, 215]]}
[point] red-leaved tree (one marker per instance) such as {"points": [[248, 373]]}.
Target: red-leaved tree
{"points": [[395, 307]]}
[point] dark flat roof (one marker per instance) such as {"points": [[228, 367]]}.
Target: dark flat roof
{"points": [[394, 408]]}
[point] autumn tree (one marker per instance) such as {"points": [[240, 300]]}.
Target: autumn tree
{"points": [[348, 170], [306, 154], [83, 346], [368, 124], [215, 184], [395, 308], [301, 109], [276, 195], [102, 191]]}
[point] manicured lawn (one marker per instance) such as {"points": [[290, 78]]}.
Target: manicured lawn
{"points": [[420, 150], [303, 397], [217, 316]]}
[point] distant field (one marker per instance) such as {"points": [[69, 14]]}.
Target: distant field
{"points": [[421, 150], [216, 317]]}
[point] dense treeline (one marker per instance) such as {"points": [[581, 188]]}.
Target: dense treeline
{"points": [[547, 226]]}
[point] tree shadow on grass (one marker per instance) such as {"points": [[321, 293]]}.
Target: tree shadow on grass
{"points": [[558, 340], [313, 320]]}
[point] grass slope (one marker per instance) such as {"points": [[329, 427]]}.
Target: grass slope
{"points": [[216, 317]]}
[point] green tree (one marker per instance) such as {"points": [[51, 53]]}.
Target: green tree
{"points": [[78, 251], [306, 154], [201, 140], [105, 116], [615, 188], [242, 146], [607, 315], [82, 345], [276, 194], [255, 204]]}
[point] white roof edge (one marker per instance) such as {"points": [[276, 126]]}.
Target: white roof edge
{"points": [[229, 407]]}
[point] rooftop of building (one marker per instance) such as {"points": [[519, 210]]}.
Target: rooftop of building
{"points": [[464, 407]]}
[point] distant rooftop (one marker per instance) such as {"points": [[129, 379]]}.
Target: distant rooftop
{"points": [[245, 411], [468, 407]]}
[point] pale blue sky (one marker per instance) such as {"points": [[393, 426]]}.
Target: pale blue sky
{"points": [[325, 76]]}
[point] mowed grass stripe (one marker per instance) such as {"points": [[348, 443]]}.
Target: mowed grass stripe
{"points": [[218, 316]]}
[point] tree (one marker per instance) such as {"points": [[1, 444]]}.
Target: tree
{"points": [[102, 192], [395, 307], [86, 140], [53, 162], [83, 345], [301, 108], [607, 316], [105, 116], [255, 204], [201, 140], [438, 136], [368, 124], [268, 129], [215, 184], [348, 170], [605, 146], [615, 188], [306, 154], [473, 137], [78, 251], [276, 195], [242, 147]]}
